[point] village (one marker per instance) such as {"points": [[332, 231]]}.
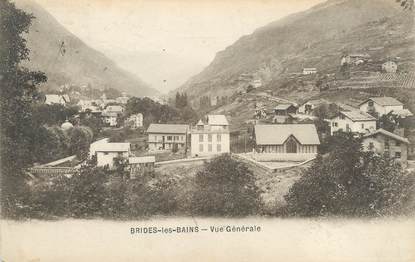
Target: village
{"points": [[279, 135]]}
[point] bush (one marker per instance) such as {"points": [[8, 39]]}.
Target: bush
{"points": [[349, 182], [226, 187]]}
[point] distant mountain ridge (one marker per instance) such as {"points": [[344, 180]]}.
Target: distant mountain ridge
{"points": [[67, 60], [313, 38]]}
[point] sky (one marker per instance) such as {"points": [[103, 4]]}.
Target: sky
{"points": [[170, 40]]}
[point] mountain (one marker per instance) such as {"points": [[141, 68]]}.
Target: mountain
{"points": [[161, 70], [314, 38], [67, 60]]}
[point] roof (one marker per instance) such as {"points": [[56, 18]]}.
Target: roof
{"points": [[283, 106], [384, 101], [306, 134], [114, 109], [167, 128], [112, 147], [309, 68], [358, 116], [217, 120], [316, 102], [142, 159], [388, 134], [109, 114]]}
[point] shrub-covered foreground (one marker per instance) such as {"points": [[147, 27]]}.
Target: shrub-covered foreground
{"points": [[224, 187], [340, 184], [349, 182]]}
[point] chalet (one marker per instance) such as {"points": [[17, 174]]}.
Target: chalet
{"points": [[309, 106], [211, 136], [140, 166], [352, 121], [282, 112], [135, 121], [381, 105], [309, 71], [390, 67], [288, 142], [384, 142], [107, 152], [167, 137]]}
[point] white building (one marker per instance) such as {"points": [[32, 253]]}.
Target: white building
{"points": [[135, 121], [210, 136], [286, 142], [309, 71], [110, 118], [107, 152], [381, 105], [167, 137], [352, 121], [390, 67]]}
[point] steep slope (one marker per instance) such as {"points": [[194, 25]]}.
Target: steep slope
{"points": [[314, 38], [67, 60]]}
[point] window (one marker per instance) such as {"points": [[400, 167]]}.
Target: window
{"points": [[169, 138], [200, 137], [341, 116], [176, 138], [219, 148], [335, 124], [363, 126], [218, 137], [370, 103], [398, 143], [387, 145], [210, 147], [210, 137], [200, 147], [398, 154]]}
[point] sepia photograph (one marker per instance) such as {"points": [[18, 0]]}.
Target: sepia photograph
{"points": [[207, 130]]}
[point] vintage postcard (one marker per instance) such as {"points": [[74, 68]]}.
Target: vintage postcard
{"points": [[196, 130]]}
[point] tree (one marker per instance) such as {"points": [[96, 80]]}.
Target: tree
{"points": [[406, 4], [226, 187], [349, 182], [18, 91]]}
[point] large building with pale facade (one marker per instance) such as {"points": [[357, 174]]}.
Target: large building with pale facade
{"points": [[167, 137], [210, 136]]}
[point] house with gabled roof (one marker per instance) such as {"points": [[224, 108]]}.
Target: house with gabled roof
{"points": [[381, 105], [167, 137], [106, 152], [289, 142], [352, 121], [384, 142], [282, 112], [210, 136]]}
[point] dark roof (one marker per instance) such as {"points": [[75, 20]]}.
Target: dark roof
{"points": [[306, 134]]}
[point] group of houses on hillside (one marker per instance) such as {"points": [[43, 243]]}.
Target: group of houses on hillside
{"points": [[364, 121]]}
